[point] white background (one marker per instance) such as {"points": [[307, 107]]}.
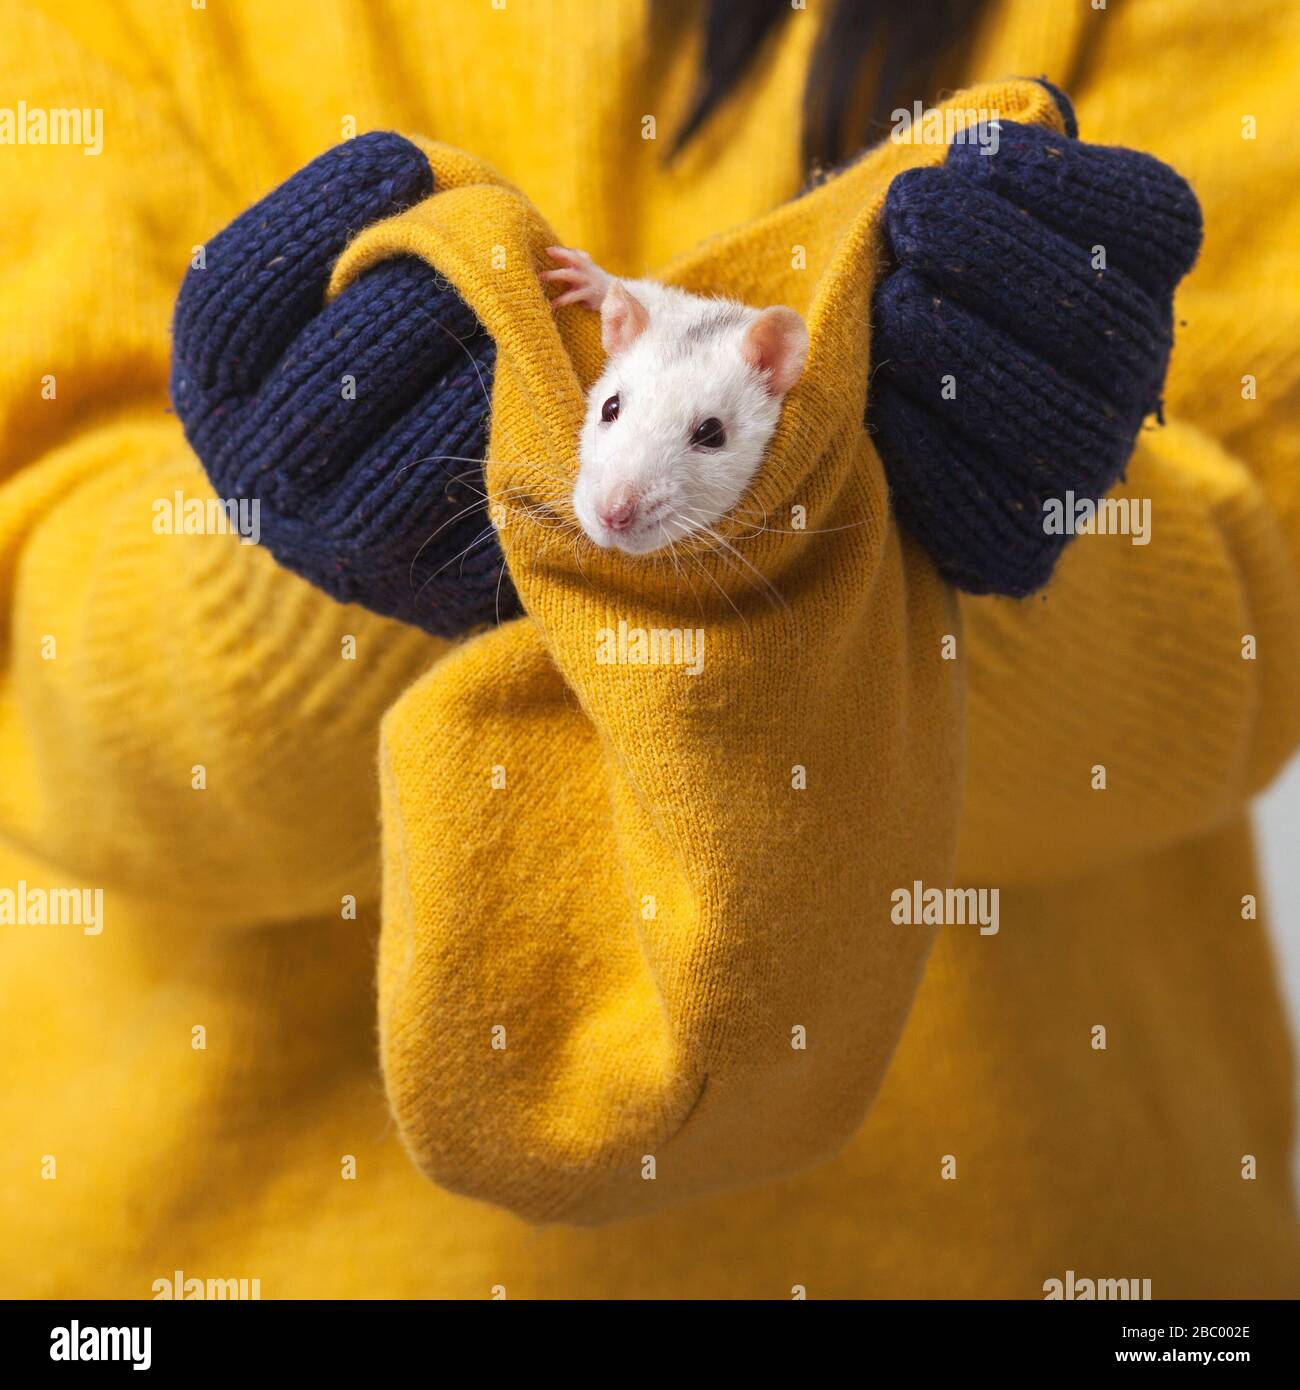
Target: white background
{"points": [[1277, 819]]}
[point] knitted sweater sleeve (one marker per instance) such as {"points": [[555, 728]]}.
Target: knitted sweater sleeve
{"points": [[1154, 687], [179, 716], [644, 850]]}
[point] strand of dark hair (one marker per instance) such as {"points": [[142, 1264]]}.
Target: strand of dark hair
{"points": [[907, 40]]}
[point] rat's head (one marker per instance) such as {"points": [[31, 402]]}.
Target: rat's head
{"points": [[677, 423]]}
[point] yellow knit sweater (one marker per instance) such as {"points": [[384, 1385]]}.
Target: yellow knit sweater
{"points": [[624, 918]]}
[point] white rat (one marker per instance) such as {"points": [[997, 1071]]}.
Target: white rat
{"points": [[679, 420]]}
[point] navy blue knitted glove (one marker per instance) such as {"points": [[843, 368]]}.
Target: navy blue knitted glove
{"points": [[360, 427], [1054, 363]]}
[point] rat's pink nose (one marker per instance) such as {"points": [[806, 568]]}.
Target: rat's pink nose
{"points": [[618, 511]]}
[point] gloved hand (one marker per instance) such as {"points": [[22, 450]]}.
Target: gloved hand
{"points": [[359, 426], [1053, 361]]}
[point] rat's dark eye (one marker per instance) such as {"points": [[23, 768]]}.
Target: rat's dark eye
{"points": [[709, 434], [609, 411]]}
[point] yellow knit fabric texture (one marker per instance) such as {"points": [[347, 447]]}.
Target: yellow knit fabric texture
{"points": [[701, 936]]}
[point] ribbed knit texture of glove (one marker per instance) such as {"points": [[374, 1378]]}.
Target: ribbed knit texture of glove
{"points": [[1050, 362], [360, 426]]}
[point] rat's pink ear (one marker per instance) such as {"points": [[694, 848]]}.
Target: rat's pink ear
{"points": [[777, 344], [623, 319]]}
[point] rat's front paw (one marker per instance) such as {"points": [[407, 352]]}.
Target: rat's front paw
{"points": [[1021, 340], [586, 281]]}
